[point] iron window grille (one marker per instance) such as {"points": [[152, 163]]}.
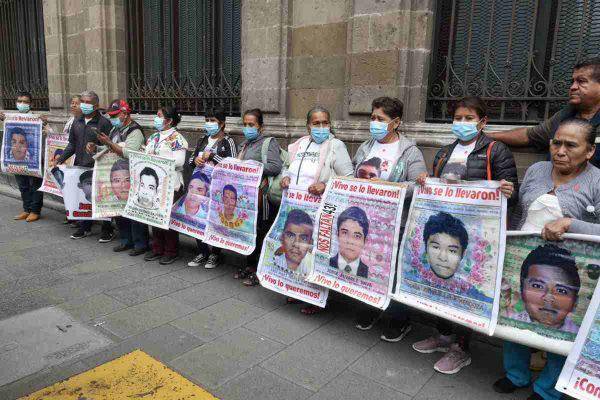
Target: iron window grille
{"points": [[518, 55], [184, 52]]}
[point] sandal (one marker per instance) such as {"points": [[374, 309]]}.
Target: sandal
{"points": [[251, 280], [310, 310], [291, 300], [242, 273]]}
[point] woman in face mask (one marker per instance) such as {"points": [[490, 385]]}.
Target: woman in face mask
{"points": [[211, 149], [270, 155], [472, 156]]}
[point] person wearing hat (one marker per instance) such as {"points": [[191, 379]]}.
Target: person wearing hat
{"points": [[125, 136]]}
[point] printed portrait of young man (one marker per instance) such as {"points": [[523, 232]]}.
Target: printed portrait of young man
{"points": [[352, 232]]}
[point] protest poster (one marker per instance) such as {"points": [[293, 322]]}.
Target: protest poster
{"points": [[452, 252], [287, 249], [22, 145], [233, 206], [151, 189], [189, 213], [356, 240], [77, 192], [110, 188], [580, 377], [546, 289], [55, 147]]}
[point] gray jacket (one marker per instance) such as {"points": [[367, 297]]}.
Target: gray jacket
{"points": [[252, 151], [579, 199]]}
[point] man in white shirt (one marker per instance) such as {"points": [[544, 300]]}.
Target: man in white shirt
{"points": [[353, 228]]}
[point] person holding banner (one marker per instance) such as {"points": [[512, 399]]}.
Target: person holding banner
{"points": [[472, 156], [556, 197], [388, 155], [211, 149], [125, 136], [266, 150], [167, 142], [314, 159]]}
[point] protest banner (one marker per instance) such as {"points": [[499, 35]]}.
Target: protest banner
{"points": [[546, 289], [287, 249], [356, 240], [233, 207], [580, 377], [151, 189], [77, 192], [188, 214], [452, 252], [22, 145], [55, 147], [110, 188]]}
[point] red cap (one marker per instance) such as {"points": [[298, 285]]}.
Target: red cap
{"points": [[118, 106]]}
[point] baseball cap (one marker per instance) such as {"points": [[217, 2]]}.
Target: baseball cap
{"points": [[118, 106]]}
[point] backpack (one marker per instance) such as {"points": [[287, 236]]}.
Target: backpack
{"points": [[273, 190]]}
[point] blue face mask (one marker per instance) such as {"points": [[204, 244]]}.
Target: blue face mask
{"points": [[212, 128], [86, 108], [319, 135], [23, 107], [159, 123], [250, 133], [116, 122], [378, 130], [465, 131]]}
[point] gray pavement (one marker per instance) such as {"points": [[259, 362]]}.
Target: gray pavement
{"points": [[236, 342]]}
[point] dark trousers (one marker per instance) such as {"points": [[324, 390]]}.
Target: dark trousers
{"points": [[132, 233], [165, 242], [33, 200], [86, 225], [463, 334], [262, 229], [205, 249]]}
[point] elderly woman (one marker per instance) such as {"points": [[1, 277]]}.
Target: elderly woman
{"points": [[557, 197]]}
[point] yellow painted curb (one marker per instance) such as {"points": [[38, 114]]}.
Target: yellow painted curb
{"points": [[133, 376]]}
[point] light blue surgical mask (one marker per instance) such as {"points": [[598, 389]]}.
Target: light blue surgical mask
{"points": [[23, 107], [212, 128], [86, 108], [116, 122], [378, 130], [320, 134], [250, 132], [159, 123], [465, 131]]}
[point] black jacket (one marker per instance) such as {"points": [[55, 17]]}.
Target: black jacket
{"points": [[221, 149], [362, 270], [79, 136], [502, 163]]}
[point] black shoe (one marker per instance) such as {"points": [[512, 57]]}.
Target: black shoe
{"points": [[395, 332], [122, 247], [505, 385], [80, 234], [166, 260], [137, 252], [151, 256], [366, 320], [106, 237]]}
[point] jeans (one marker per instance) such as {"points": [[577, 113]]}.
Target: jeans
{"points": [[132, 233], [516, 358], [33, 200], [86, 225], [205, 249]]}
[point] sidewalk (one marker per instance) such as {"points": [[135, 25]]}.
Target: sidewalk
{"points": [[236, 342]]}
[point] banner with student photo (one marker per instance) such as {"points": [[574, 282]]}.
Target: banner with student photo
{"points": [[111, 183], [151, 189], [77, 192], [22, 145], [188, 214], [580, 377], [287, 249], [356, 239], [53, 177], [233, 206], [452, 252], [546, 289]]}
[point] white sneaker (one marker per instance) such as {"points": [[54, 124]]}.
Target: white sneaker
{"points": [[213, 262], [198, 261]]}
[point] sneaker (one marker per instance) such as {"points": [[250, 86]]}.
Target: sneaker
{"points": [[198, 260], [366, 320], [395, 332], [505, 385], [435, 343], [80, 234], [166, 260], [121, 247], [151, 256], [453, 361], [213, 262], [106, 237]]}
